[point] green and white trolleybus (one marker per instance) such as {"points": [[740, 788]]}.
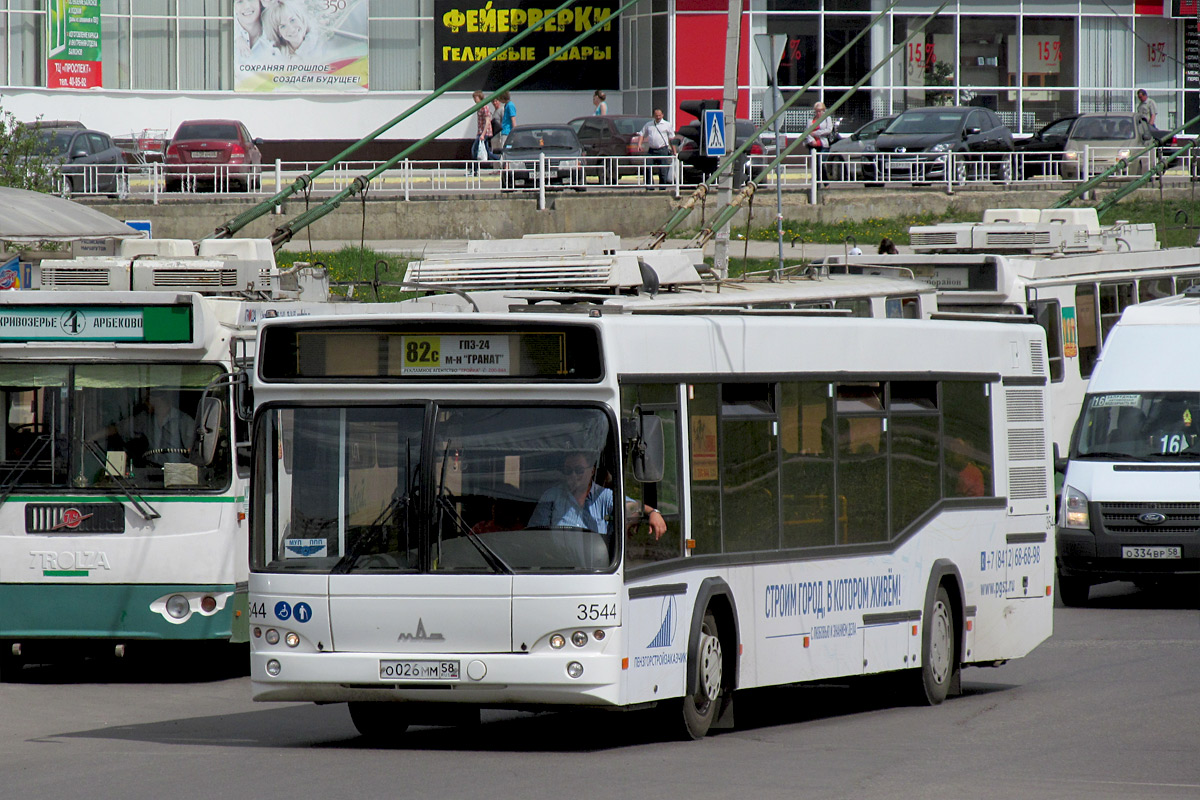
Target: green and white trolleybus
{"points": [[634, 506], [115, 526]]}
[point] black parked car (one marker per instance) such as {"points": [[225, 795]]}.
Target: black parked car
{"points": [[915, 146], [698, 167], [87, 160], [520, 159]]}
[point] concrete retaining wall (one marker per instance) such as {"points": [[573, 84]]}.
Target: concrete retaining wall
{"points": [[506, 217]]}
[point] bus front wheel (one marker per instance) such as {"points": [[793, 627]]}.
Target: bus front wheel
{"points": [[381, 722], [700, 706], [938, 651]]}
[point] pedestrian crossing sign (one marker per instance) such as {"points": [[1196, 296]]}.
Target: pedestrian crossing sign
{"points": [[714, 132]]}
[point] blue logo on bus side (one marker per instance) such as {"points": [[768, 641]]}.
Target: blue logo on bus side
{"points": [[283, 610], [302, 612], [670, 624]]}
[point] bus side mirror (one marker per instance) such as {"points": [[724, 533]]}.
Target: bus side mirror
{"points": [[1060, 463], [647, 450], [208, 426]]}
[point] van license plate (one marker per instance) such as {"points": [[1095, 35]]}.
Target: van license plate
{"points": [[1151, 552], [418, 670]]}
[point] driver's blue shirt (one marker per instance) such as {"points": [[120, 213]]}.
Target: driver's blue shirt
{"points": [[558, 509]]}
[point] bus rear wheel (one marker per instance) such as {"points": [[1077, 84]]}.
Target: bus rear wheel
{"points": [[700, 707], [937, 651], [380, 722]]}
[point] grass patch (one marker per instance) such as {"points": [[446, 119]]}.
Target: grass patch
{"points": [[1177, 221], [354, 265]]}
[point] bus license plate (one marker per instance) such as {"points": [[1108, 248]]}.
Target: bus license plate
{"points": [[1151, 552], [418, 670]]}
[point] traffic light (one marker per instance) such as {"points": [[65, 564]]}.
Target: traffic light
{"points": [[697, 107]]}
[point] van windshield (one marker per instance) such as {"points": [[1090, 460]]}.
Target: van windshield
{"points": [[1139, 426]]}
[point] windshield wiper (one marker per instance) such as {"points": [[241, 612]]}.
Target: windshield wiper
{"points": [[498, 564], [398, 503], [1111, 454], [21, 467], [138, 502]]}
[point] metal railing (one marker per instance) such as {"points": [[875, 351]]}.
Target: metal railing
{"points": [[412, 179]]}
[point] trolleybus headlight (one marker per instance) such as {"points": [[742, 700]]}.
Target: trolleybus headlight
{"points": [[574, 669], [273, 668], [579, 638], [557, 641], [1075, 509], [178, 606], [272, 636], [292, 639], [598, 634], [208, 604], [258, 633]]}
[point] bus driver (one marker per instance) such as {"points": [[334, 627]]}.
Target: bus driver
{"points": [[579, 502]]}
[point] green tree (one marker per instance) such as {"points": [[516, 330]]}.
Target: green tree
{"points": [[24, 162]]}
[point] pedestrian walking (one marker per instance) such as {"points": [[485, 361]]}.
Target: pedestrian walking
{"points": [[656, 136], [481, 150], [599, 100], [508, 118], [1147, 108]]}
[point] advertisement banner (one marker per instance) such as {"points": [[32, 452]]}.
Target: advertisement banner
{"points": [[73, 38], [300, 45], [467, 31]]}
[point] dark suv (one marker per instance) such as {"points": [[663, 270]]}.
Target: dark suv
{"points": [[915, 146], [616, 141]]}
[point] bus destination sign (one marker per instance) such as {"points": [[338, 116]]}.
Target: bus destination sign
{"points": [[455, 355], [147, 324]]}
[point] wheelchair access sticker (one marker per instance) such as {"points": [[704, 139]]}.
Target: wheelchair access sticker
{"points": [[302, 612]]}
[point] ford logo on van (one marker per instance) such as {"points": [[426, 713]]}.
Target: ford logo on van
{"points": [[1152, 518]]}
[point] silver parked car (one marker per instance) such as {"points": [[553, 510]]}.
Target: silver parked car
{"points": [[844, 160], [87, 160]]}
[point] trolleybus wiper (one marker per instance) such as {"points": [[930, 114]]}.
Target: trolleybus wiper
{"points": [[138, 502], [21, 467]]}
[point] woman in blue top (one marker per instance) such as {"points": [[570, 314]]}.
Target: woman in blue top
{"points": [[507, 121], [599, 101]]}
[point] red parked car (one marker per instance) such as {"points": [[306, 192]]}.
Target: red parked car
{"points": [[220, 151]]}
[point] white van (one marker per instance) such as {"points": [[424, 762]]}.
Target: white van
{"points": [[1131, 499]]}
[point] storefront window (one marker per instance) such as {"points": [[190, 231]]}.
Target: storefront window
{"points": [[1046, 61], [925, 66], [984, 68]]}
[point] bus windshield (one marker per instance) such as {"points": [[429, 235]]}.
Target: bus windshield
{"points": [[1140, 426], [106, 426], [491, 489]]}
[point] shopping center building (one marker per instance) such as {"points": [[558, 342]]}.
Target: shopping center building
{"points": [[150, 64]]}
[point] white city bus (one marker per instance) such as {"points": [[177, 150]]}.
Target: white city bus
{"points": [[115, 527], [799, 498], [1073, 275]]}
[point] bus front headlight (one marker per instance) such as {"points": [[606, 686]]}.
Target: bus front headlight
{"points": [[1074, 509]]}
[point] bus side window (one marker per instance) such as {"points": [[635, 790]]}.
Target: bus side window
{"points": [[967, 469], [641, 546], [1049, 316], [1087, 321]]}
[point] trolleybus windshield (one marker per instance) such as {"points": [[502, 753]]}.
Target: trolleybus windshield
{"points": [[105, 426]]}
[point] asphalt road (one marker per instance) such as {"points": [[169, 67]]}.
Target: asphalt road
{"points": [[1108, 708]]}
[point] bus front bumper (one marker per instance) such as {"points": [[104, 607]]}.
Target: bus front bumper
{"points": [[485, 679]]}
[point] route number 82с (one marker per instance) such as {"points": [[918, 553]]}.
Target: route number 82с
{"points": [[596, 612]]}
